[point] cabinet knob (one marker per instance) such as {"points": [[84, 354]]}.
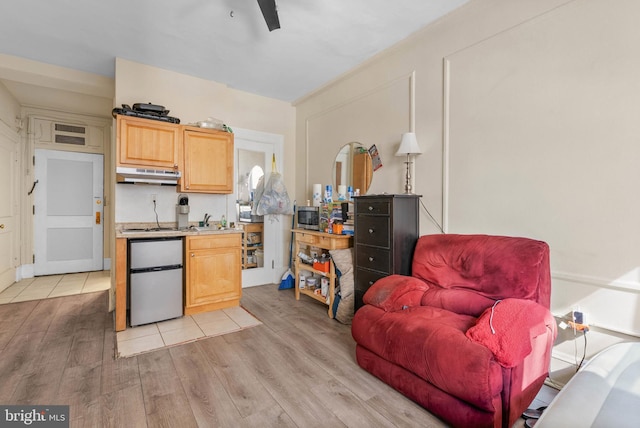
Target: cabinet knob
{"points": [[193, 255], [2, 226], [370, 259], [371, 230], [370, 208], [175, 166], [370, 282]]}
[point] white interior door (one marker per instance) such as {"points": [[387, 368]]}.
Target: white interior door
{"points": [[8, 207], [266, 145], [68, 215]]}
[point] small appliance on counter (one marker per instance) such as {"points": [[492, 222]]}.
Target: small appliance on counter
{"points": [[308, 217], [182, 212]]}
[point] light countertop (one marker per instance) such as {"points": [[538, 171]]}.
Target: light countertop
{"points": [[167, 230]]}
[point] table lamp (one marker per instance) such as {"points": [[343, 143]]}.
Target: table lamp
{"points": [[409, 147]]}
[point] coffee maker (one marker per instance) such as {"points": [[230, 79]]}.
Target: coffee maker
{"points": [[182, 212]]}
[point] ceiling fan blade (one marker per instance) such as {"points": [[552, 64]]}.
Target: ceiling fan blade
{"points": [[270, 13]]}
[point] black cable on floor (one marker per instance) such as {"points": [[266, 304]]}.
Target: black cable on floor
{"points": [[584, 354]]}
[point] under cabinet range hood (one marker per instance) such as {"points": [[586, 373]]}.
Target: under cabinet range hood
{"points": [[147, 175]]}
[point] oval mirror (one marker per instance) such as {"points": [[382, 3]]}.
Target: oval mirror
{"points": [[352, 167]]}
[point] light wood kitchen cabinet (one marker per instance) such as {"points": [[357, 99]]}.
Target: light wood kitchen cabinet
{"points": [[148, 143], [120, 276], [207, 161], [213, 277]]}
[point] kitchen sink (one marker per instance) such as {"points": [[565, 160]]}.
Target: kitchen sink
{"points": [[149, 229]]}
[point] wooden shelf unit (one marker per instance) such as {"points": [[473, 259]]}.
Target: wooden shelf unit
{"points": [[250, 243], [321, 241]]}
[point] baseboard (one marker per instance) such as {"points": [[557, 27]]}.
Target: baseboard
{"points": [[24, 271]]}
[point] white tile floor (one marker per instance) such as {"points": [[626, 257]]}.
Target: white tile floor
{"points": [[43, 287], [135, 340]]}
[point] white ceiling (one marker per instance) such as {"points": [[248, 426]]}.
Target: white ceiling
{"points": [[226, 41]]}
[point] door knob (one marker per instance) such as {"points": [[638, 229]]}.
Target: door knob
{"points": [[2, 226]]}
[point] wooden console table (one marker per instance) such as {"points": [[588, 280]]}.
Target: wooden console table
{"points": [[321, 241]]}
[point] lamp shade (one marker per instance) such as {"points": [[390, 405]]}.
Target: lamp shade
{"points": [[408, 145]]}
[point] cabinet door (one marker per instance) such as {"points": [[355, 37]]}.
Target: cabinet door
{"points": [[213, 276], [208, 162], [148, 143]]}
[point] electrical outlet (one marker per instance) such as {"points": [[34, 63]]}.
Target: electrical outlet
{"points": [[578, 320], [154, 198]]}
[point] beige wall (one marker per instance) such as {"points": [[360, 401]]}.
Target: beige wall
{"points": [[513, 103], [9, 108]]}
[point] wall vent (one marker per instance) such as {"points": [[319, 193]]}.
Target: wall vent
{"points": [[69, 134]]}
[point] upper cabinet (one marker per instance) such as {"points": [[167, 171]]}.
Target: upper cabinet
{"points": [[203, 156], [207, 161], [148, 143]]}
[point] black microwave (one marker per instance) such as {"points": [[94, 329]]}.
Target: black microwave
{"points": [[308, 217]]}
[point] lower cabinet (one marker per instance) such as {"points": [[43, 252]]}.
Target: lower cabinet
{"points": [[213, 278]]}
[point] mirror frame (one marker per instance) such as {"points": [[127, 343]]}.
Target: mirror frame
{"points": [[356, 165]]}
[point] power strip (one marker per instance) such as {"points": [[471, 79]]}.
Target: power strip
{"points": [[579, 327]]}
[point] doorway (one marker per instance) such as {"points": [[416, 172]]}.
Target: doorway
{"points": [[68, 212], [255, 151]]}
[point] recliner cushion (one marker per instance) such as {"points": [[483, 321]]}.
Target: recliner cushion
{"points": [[496, 267], [431, 343], [459, 301]]}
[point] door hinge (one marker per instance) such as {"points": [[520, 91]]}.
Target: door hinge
{"points": [[34, 160], [34, 259], [34, 209]]}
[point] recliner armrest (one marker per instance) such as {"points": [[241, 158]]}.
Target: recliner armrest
{"points": [[394, 292], [509, 328]]}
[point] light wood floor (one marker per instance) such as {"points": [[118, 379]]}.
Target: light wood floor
{"points": [[298, 369]]}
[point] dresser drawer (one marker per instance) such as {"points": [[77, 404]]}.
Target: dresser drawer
{"points": [[377, 259], [372, 230], [376, 207], [366, 278]]}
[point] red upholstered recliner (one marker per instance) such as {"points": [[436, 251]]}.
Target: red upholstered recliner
{"points": [[469, 335]]}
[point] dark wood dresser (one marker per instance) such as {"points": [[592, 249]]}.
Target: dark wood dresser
{"points": [[386, 230]]}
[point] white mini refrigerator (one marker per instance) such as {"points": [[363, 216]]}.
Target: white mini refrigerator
{"points": [[155, 279]]}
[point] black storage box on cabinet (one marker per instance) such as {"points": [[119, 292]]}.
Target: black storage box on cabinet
{"points": [[386, 231]]}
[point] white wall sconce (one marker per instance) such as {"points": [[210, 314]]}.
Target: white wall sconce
{"points": [[409, 147]]}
